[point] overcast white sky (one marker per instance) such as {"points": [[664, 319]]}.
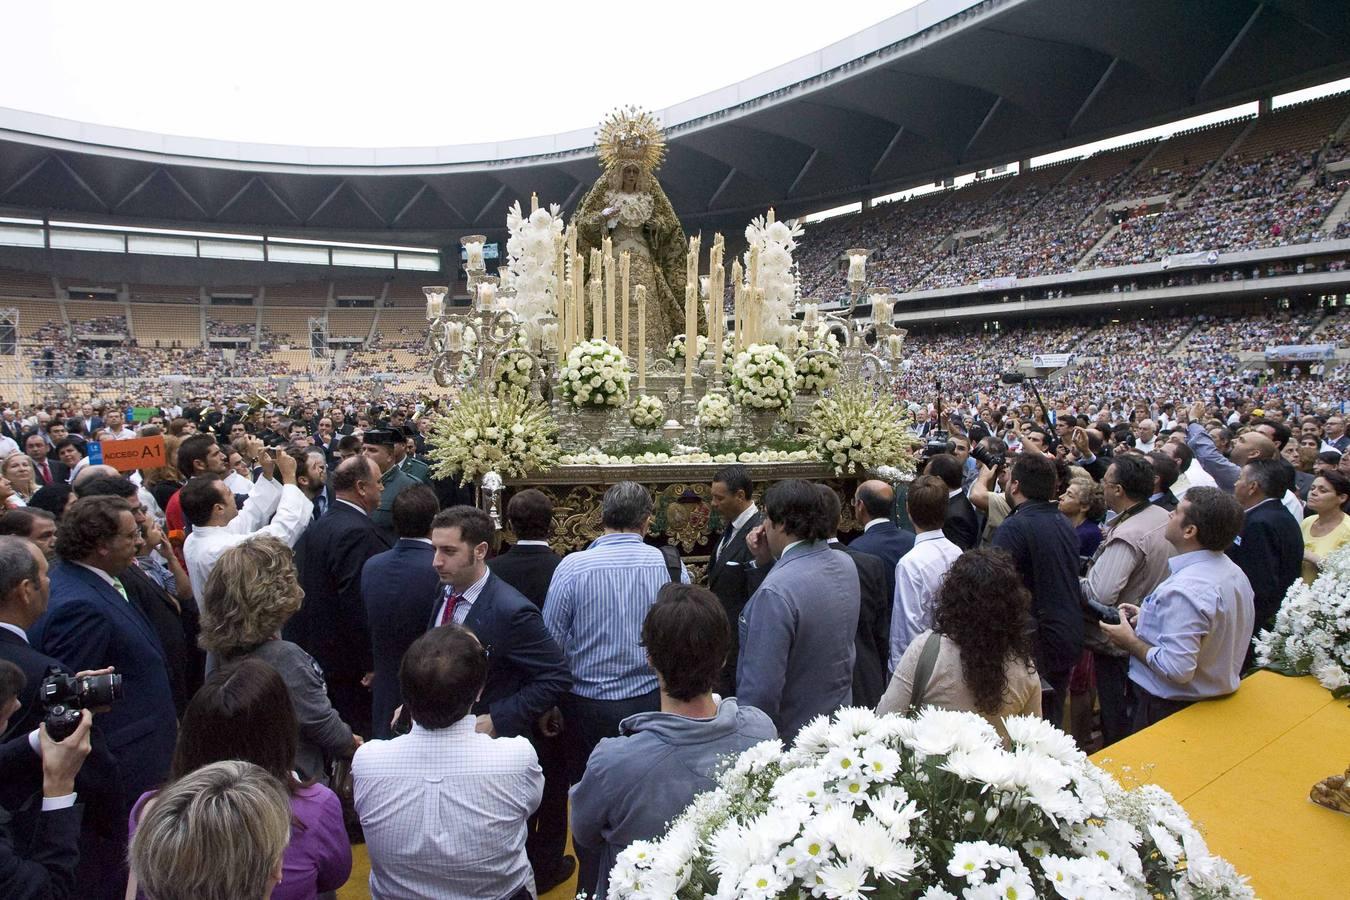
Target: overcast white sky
{"points": [[393, 72]]}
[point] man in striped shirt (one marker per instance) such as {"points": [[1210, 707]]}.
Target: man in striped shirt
{"points": [[596, 604]]}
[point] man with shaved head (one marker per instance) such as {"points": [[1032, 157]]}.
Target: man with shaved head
{"points": [[872, 505]]}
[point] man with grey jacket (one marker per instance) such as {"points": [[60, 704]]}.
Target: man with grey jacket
{"points": [[797, 630], [1129, 563], [638, 782]]}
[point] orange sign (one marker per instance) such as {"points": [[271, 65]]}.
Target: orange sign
{"points": [[141, 453]]}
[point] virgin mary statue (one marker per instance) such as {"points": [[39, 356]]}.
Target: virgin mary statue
{"points": [[627, 205]]}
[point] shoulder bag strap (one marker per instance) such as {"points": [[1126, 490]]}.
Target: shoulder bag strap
{"points": [[924, 672]]}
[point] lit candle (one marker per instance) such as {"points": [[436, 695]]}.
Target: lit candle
{"points": [[857, 266], [690, 331], [625, 271], [641, 299], [487, 296], [454, 336], [881, 310]]}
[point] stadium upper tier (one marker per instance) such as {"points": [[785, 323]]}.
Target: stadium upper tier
{"points": [[946, 87]]}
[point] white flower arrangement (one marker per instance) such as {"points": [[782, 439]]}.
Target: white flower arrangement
{"points": [[932, 807], [714, 412], [763, 378], [596, 375], [647, 412], [598, 458], [776, 242], [816, 374], [1312, 628], [675, 349], [856, 431], [509, 434], [531, 257], [514, 371]]}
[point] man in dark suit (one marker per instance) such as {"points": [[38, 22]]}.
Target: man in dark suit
{"points": [[528, 566], [45, 472], [399, 588], [331, 625], [24, 591], [1045, 549], [1270, 547], [1165, 474], [874, 612], [729, 574], [92, 623], [963, 523], [175, 623], [527, 673], [42, 863], [873, 504]]}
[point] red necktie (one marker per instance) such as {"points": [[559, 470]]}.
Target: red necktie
{"points": [[452, 601], [46, 473]]}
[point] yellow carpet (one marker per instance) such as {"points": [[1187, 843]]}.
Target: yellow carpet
{"points": [[358, 886], [1242, 767]]}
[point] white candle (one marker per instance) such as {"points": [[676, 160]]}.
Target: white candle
{"points": [[550, 331], [454, 336], [809, 319], [641, 299], [487, 295], [790, 340], [881, 310], [435, 306], [473, 255], [857, 264]]}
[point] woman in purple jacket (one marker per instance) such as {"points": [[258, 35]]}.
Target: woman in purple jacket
{"points": [[243, 711]]}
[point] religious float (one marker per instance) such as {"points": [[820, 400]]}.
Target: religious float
{"points": [[573, 368]]}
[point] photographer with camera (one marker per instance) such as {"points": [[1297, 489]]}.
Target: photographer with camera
{"points": [[1129, 563], [49, 835], [49, 693]]}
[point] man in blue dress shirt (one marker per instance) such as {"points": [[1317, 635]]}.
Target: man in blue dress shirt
{"points": [[1187, 639]]}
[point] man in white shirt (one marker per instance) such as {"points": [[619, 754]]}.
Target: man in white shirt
{"points": [[114, 427], [919, 573], [444, 808], [1145, 436], [218, 525]]}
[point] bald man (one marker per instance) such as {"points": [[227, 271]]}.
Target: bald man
{"points": [[94, 471], [1247, 446], [873, 503]]}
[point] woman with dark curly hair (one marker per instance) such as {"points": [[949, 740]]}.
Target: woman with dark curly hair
{"points": [[983, 659]]}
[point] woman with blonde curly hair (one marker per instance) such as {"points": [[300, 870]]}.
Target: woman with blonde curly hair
{"points": [[251, 594], [18, 469]]}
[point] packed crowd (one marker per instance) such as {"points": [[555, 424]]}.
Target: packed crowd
{"points": [[1048, 221], [462, 711]]}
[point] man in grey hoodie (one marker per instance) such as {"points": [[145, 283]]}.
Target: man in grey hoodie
{"points": [[635, 784]]}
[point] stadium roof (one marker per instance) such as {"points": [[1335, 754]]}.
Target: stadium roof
{"points": [[942, 88]]}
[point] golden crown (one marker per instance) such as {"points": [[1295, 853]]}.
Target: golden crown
{"points": [[630, 134]]}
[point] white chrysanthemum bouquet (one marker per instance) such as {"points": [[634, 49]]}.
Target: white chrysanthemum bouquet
{"points": [[1312, 628], [856, 430], [596, 375], [528, 280], [932, 807], [506, 433], [775, 241], [675, 349], [647, 412], [714, 412], [763, 378]]}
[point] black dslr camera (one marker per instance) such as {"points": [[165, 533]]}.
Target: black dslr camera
{"points": [[1101, 612], [984, 457], [63, 696]]}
